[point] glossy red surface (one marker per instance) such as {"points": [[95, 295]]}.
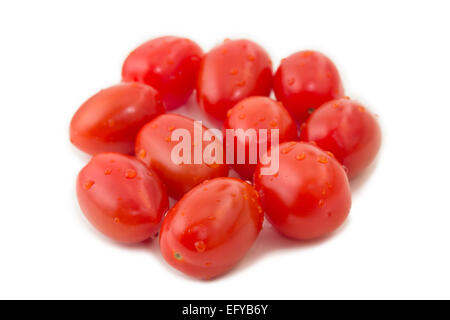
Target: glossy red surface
{"points": [[121, 197], [211, 228]]}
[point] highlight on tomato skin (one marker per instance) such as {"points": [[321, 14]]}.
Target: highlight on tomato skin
{"points": [[304, 81], [230, 72], [169, 64], [257, 113], [121, 198], [110, 120], [154, 148], [347, 129], [211, 228], [310, 195]]}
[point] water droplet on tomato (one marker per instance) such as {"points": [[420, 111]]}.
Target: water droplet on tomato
{"points": [[200, 246], [130, 173], [300, 156], [89, 184], [330, 154], [322, 159], [142, 153]]}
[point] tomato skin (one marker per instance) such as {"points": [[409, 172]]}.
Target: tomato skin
{"points": [[348, 130], [154, 147], [230, 72], [168, 64], [304, 81], [258, 113], [121, 197], [211, 228], [309, 197], [110, 120]]}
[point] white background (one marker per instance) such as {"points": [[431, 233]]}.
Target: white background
{"points": [[393, 56]]}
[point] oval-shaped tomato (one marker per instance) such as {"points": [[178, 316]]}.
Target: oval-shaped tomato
{"points": [[211, 228], [121, 197], [110, 120], [309, 197], [230, 72], [180, 162], [261, 115], [304, 81], [348, 130], [168, 64]]}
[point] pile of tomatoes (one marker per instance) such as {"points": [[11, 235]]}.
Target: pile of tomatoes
{"points": [[325, 139]]}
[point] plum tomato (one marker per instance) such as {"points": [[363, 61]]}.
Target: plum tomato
{"points": [[348, 130], [168, 64], [121, 197], [304, 81], [309, 197], [257, 113], [154, 146], [211, 228], [110, 120], [230, 72]]}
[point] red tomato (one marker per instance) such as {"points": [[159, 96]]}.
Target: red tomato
{"points": [[169, 64], [110, 120], [154, 147], [309, 197], [232, 71], [257, 113], [121, 197], [304, 81], [348, 130], [211, 228]]}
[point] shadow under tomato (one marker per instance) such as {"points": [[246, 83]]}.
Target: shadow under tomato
{"points": [[357, 183], [270, 241]]}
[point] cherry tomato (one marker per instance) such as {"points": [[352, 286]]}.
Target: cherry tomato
{"points": [[348, 130], [304, 81], [309, 197], [232, 71], [154, 147], [257, 113], [121, 197], [169, 64], [110, 120], [211, 228]]}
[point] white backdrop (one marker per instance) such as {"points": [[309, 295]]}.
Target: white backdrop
{"points": [[393, 56]]}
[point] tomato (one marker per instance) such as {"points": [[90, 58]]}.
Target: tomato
{"points": [[304, 81], [257, 113], [211, 228], [232, 71], [168, 64], [348, 130], [309, 197], [110, 120], [154, 147], [121, 197]]}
